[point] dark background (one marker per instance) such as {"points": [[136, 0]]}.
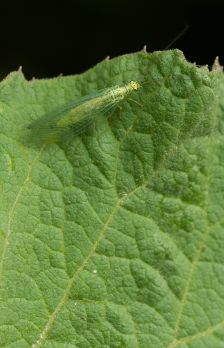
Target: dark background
{"points": [[50, 38]]}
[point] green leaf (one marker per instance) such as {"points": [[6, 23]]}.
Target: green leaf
{"points": [[115, 238]]}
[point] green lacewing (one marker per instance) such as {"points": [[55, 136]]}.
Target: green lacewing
{"points": [[79, 114]]}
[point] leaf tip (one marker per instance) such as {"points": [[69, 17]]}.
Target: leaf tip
{"points": [[216, 65], [144, 49]]}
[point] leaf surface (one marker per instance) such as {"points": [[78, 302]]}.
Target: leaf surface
{"points": [[115, 238]]}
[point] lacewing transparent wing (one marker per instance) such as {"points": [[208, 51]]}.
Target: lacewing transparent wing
{"points": [[79, 114]]}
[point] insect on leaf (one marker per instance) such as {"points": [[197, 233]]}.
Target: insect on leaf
{"points": [[78, 115]]}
